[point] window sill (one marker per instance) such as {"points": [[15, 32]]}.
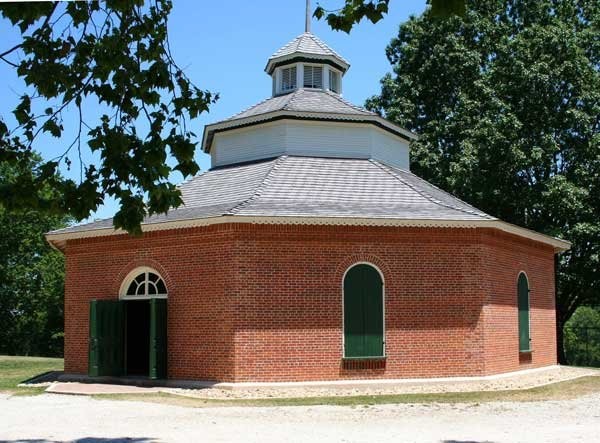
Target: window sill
{"points": [[364, 358], [526, 352]]}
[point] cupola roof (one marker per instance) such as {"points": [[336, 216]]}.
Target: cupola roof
{"points": [[306, 47]]}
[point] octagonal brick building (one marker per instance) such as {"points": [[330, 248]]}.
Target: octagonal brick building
{"points": [[308, 252]]}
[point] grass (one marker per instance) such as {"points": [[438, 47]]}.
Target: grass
{"points": [[15, 370], [556, 391]]}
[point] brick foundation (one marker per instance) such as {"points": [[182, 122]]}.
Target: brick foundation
{"points": [[264, 302]]}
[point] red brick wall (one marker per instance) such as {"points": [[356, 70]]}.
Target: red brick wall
{"points": [[196, 265], [264, 302], [507, 257]]}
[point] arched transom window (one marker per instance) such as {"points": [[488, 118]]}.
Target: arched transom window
{"points": [[144, 283]]}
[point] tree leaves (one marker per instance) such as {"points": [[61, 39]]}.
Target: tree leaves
{"points": [[31, 275], [506, 100], [447, 8], [115, 53], [354, 11]]}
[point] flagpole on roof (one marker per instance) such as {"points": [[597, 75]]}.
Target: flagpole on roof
{"points": [[307, 24]]}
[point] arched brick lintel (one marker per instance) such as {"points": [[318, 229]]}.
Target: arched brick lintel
{"points": [[353, 259]]}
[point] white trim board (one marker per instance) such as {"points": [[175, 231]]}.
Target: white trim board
{"points": [[321, 116], [58, 239]]}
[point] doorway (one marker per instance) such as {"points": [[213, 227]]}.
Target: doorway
{"points": [[128, 336], [137, 337]]}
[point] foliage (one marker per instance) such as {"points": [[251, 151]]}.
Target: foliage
{"points": [[115, 53], [582, 337], [354, 11], [506, 101], [31, 279]]}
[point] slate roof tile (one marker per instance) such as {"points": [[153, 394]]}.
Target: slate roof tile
{"points": [[304, 100], [306, 43], [291, 186]]}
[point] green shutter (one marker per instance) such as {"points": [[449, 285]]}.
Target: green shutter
{"points": [[106, 338], [158, 338], [523, 303], [363, 312]]}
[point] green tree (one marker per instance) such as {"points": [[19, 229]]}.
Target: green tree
{"points": [[112, 52], [582, 337], [353, 11], [506, 100], [31, 280]]}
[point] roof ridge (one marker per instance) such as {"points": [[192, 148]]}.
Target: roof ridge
{"points": [[190, 179], [437, 188], [233, 117], [426, 195], [237, 207], [339, 98], [293, 96], [325, 46], [289, 44], [290, 98], [307, 40]]}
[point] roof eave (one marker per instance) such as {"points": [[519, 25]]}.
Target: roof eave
{"points": [[210, 130], [289, 58], [58, 240]]}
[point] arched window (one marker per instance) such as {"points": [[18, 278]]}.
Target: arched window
{"points": [[143, 283], [523, 304], [363, 312]]}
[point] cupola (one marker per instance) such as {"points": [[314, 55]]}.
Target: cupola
{"points": [[306, 62], [306, 115]]}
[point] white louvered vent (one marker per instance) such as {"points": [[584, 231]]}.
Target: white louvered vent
{"points": [[288, 79], [313, 77], [334, 82]]}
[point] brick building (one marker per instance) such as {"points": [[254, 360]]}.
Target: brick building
{"points": [[309, 251]]}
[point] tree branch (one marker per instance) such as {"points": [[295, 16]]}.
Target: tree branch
{"points": [[14, 65], [14, 48]]}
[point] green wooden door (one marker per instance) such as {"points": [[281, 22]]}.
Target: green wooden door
{"points": [[523, 304], [106, 338], [158, 338], [363, 312]]}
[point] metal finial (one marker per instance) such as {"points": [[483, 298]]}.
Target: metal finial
{"points": [[307, 24]]}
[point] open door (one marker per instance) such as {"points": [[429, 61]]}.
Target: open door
{"points": [[106, 338], [158, 338]]}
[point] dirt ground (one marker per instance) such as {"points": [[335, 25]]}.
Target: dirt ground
{"points": [[520, 380], [53, 418]]}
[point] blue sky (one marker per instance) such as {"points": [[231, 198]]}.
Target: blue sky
{"points": [[224, 46]]}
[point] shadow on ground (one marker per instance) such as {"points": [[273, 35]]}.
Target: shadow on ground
{"points": [[86, 440]]}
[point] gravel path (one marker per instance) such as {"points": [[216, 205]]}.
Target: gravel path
{"points": [[52, 417], [517, 381]]}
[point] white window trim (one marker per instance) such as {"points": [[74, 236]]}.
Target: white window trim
{"points": [[383, 313], [326, 70], [131, 276], [339, 74], [279, 77], [314, 65]]}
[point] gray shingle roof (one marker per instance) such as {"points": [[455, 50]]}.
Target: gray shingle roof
{"points": [[307, 43], [311, 187], [304, 100]]}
